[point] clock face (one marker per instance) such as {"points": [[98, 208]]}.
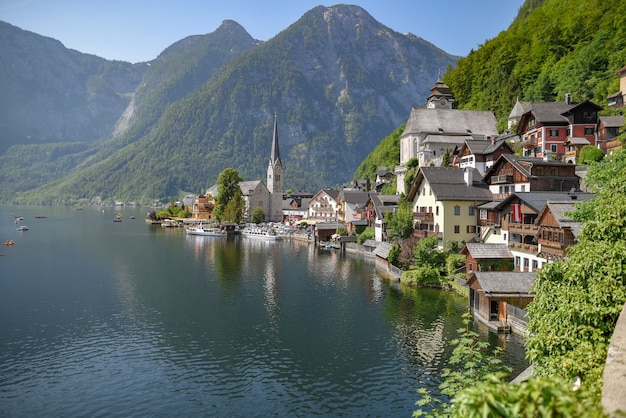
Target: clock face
{"points": [[442, 101]]}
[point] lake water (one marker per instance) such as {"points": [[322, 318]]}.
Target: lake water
{"points": [[99, 318]]}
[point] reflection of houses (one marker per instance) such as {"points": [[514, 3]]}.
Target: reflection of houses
{"points": [[444, 201], [324, 206], [499, 299], [546, 125], [487, 257], [437, 129], [557, 231], [513, 173], [480, 154]]}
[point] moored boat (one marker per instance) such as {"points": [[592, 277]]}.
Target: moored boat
{"points": [[206, 230], [264, 233]]}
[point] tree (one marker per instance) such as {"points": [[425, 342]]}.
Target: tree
{"points": [[590, 154], [227, 186], [258, 215], [579, 298], [234, 209], [400, 222]]}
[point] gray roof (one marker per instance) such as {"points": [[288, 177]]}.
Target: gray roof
{"points": [[518, 109], [448, 183], [354, 196], [559, 211], [505, 283], [524, 164], [574, 140], [382, 249], [246, 186], [451, 121], [612, 121], [537, 200], [490, 251]]}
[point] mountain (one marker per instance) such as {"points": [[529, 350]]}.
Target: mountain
{"points": [[52, 94], [552, 47], [337, 80]]}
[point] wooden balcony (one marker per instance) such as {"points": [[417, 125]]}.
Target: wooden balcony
{"points": [[529, 143], [523, 229], [503, 179], [525, 248], [571, 153], [423, 216]]}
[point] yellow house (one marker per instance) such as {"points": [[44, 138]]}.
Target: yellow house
{"points": [[444, 201]]}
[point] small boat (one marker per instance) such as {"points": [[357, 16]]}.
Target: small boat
{"points": [[9, 242], [206, 230], [22, 228]]}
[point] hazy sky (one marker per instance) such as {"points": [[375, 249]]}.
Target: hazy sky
{"points": [[138, 30]]}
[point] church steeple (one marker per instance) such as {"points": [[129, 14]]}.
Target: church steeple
{"points": [[275, 154], [275, 179]]}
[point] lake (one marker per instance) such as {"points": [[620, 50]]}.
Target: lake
{"points": [[103, 318]]}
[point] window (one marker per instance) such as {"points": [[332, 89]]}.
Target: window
{"points": [[471, 229], [437, 210], [483, 214], [553, 147], [457, 210], [470, 211], [588, 131], [535, 265], [517, 262], [554, 133], [457, 229]]}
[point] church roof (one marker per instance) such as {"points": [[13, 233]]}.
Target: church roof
{"points": [[275, 153], [451, 122]]}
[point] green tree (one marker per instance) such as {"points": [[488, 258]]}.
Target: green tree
{"points": [[400, 222], [579, 298], [235, 208], [258, 215], [227, 186], [590, 154], [368, 233]]}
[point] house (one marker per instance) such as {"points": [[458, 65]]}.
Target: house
{"points": [[376, 208], [324, 206], [519, 108], [545, 126], [499, 299], [202, 207], [295, 209], [383, 176], [518, 222], [512, 173], [486, 257], [438, 129], [616, 100], [557, 230], [444, 201], [608, 128], [352, 205], [480, 154], [573, 146]]}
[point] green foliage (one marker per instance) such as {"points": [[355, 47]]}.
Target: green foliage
{"points": [[536, 397], [258, 215], [386, 154], [455, 265], [227, 184], [579, 298], [234, 209], [368, 233], [470, 363], [172, 211], [557, 47], [425, 252], [422, 275], [342, 231], [400, 222], [590, 154], [394, 253]]}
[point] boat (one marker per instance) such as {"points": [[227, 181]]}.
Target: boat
{"points": [[206, 230], [22, 228], [9, 242], [264, 233]]}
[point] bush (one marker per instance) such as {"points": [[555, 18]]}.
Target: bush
{"points": [[368, 233], [590, 154]]}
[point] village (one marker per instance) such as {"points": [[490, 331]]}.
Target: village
{"points": [[510, 213]]}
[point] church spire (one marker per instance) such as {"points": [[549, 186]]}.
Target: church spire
{"points": [[275, 154]]}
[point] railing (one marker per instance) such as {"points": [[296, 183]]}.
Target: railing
{"points": [[571, 153], [423, 216], [523, 229], [501, 179], [529, 143], [422, 233], [525, 248]]}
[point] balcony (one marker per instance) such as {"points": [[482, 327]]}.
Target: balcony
{"points": [[502, 179], [529, 143], [423, 216], [524, 248], [523, 229]]}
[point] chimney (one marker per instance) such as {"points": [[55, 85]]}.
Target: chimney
{"points": [[468, 176], [568, 98]]}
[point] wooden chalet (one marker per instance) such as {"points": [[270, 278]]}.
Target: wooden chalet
{"points": [[486, 257], [557, 231]]}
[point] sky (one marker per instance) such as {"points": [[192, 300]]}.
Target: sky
{"points": [[139, 30]]}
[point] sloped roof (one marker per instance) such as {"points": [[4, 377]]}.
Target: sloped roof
{"points": [[488, 251], [574, 140], [523, 164], [359, 197], [247, 186], [612, 121], [448, 183], [518, 109], [451, 122], [504, 283], [559, 211], [382, 250], [537, 200]]}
